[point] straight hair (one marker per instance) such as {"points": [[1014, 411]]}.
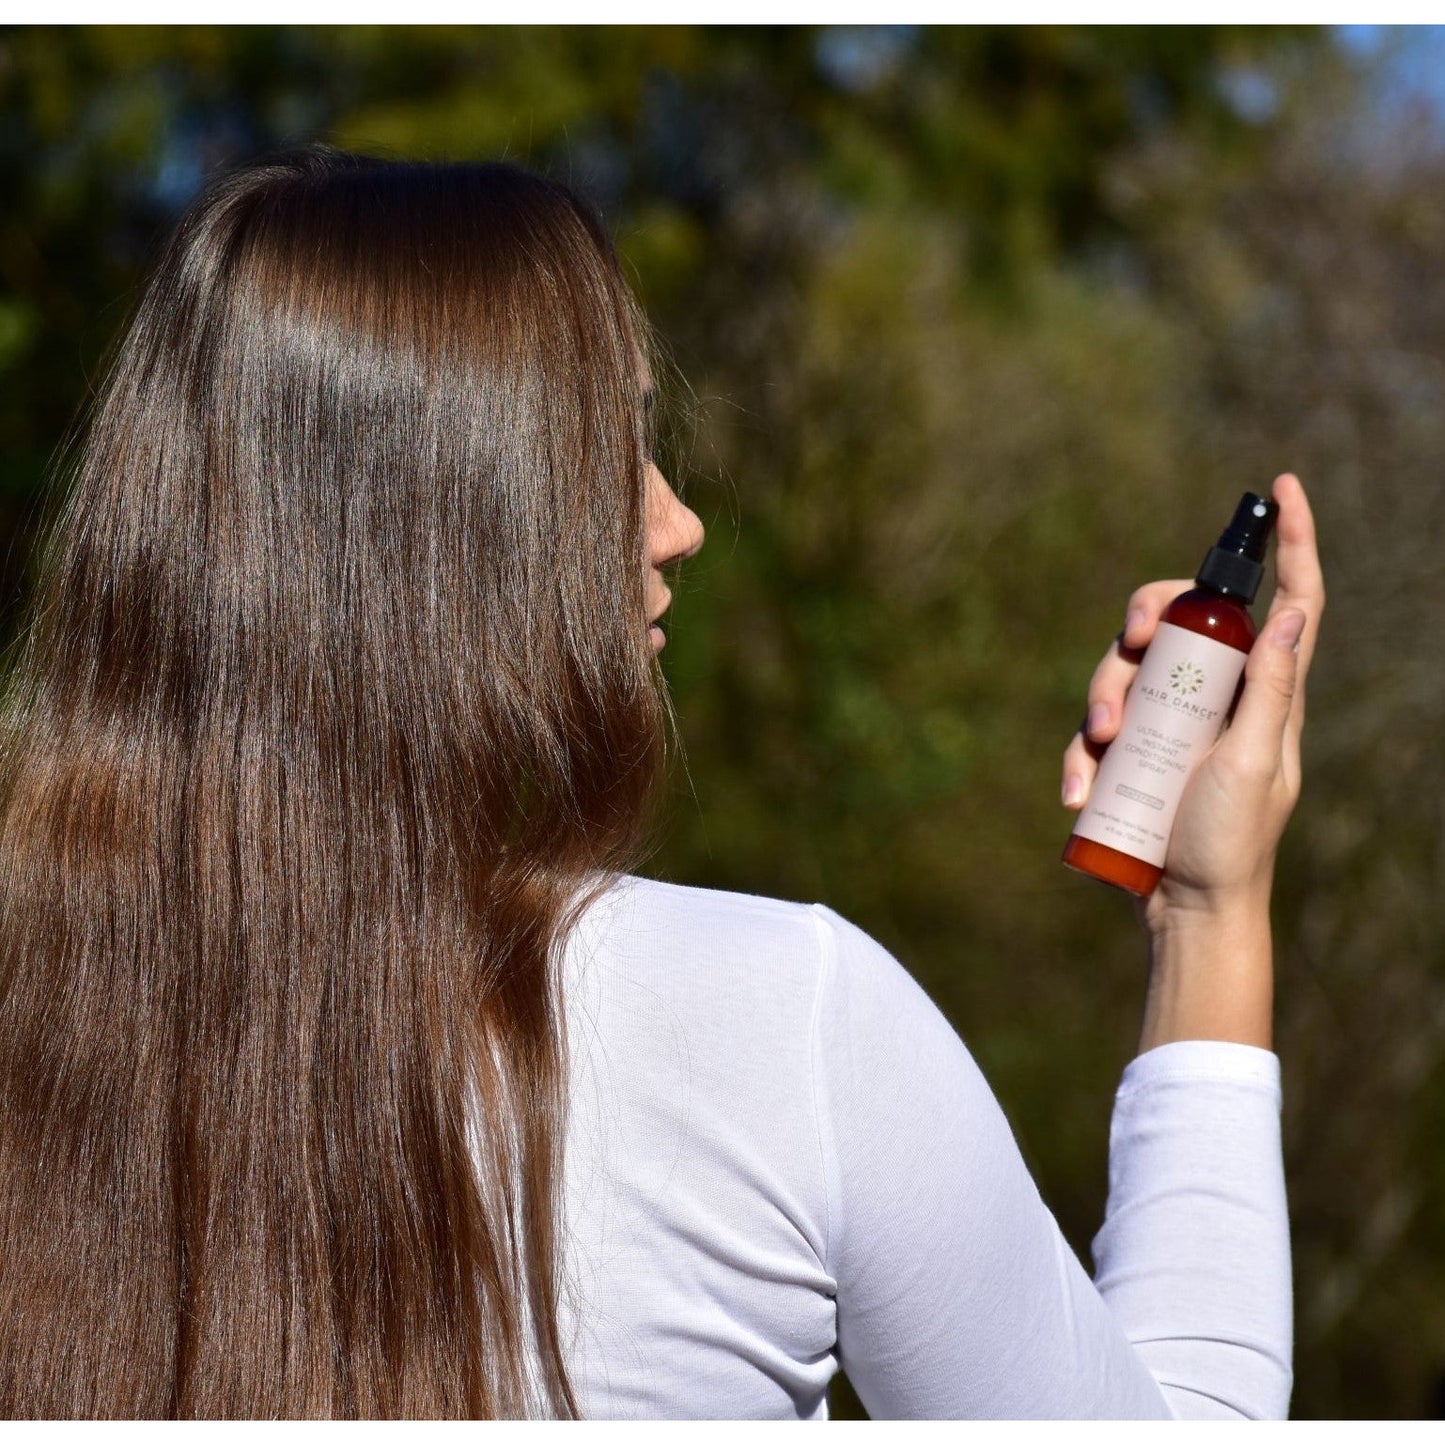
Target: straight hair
{"points": [[333, 709]]}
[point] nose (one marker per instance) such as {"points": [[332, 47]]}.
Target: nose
{"points": [[677, 532]]}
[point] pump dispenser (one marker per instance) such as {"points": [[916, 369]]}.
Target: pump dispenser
{"points": [[1178, 704], [1236, 562]]}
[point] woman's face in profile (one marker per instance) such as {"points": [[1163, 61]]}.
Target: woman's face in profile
{"points": [[673, 532]]}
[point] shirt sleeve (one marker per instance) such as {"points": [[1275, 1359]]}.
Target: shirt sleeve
{"points": [[957, 1294]]}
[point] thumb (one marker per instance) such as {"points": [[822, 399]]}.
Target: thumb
{"points": [[1270, 676]]}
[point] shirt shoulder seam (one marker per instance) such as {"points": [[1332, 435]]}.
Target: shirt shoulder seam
{"points": [[827, 963]]}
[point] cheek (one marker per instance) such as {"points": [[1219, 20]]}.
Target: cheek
{"points": [[654, 508]]}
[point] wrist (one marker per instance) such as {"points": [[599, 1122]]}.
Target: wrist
{"points": [[1211, 974], [1177, 908]]}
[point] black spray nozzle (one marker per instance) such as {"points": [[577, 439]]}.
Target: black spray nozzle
{"points": [[1236, 562]]}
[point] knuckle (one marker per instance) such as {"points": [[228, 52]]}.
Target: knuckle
{"points": [[1252, 767], [1281, 683], [1277, 672]]}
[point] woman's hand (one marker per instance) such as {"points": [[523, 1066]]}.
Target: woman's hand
{"points": [[1234, 809]]}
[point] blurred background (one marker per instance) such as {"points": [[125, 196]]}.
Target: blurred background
{"points": [[974, 329]]}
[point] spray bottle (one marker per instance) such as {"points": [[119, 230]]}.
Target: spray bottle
{"points": [[1179, 702]]}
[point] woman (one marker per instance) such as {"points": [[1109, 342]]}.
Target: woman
{"points": [[345, 1069]]}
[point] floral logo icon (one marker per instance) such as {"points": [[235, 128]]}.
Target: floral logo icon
{"points": [[1187, 678]]}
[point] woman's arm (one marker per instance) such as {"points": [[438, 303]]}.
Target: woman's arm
{"points": [[1193, 1257], [957, 1295]]}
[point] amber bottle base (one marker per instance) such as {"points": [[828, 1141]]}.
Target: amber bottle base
{"points": [[1109, 865]]}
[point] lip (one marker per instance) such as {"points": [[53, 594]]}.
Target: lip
{"points": [[654, 632]]}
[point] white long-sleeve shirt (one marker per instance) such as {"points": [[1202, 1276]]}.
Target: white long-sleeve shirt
{"points": [[782, 1161]]}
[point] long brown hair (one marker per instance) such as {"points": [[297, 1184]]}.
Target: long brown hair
{"points": [[334, 708]]}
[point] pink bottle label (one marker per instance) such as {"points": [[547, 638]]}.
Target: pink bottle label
{"points": [[1172, 715]]}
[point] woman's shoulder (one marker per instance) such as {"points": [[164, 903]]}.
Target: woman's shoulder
{"points": [[689, 1003], [722, 941], [663, 899], [712, 929]]}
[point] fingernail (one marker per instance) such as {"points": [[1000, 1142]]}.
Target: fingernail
{"points": [[1288, 631], [1073, 790], [1098, 717], [1133, 620]]}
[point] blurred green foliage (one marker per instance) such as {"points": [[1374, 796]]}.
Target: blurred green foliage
{"points": [[981, 327]]}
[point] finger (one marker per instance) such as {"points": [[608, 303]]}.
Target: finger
{"points": [[1256, 736], [1119, 665], [1108, 685], [1141, 616], [1081, 765], [1299, 579], [1111, 680]]}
